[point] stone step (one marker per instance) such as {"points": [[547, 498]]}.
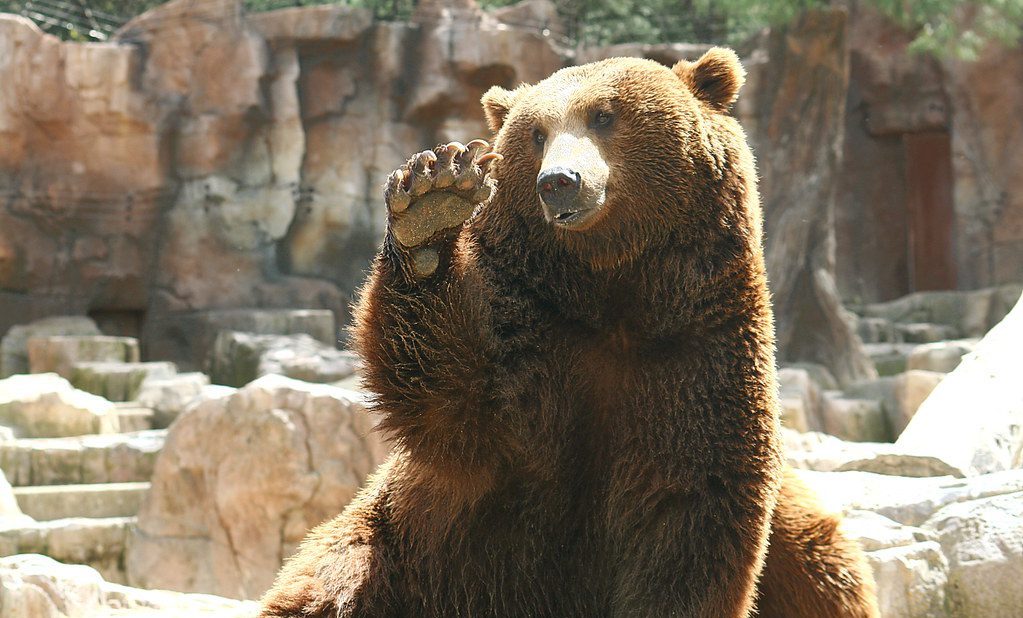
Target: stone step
{"points": [[96, 542], [107, 458], [48, 502], [889, 358], [132, 416]]}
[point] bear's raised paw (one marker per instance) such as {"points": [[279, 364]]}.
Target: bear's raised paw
{"points": [[433, 194]]}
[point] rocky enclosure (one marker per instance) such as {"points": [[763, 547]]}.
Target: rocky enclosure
{"points": [[206, 160]]}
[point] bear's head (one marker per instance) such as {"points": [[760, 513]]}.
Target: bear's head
{"points": [[615, 157]]}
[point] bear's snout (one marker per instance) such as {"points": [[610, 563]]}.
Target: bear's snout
{"points": [[558, 188]]}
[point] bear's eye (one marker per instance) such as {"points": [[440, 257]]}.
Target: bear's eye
{"points": [[538, 137], [602, 119]]}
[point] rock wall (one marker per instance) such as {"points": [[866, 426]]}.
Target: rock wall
{"points": [[207, 159], [928, 196]]}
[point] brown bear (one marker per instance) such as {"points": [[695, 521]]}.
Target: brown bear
{"points": [[579, 379]]}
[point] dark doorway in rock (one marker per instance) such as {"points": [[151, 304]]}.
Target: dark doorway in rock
{"points": [[119, 322], [929, 211]]}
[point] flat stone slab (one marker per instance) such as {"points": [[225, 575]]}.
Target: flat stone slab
{"points": [[118, 381], [47, 502], [47, 406], [14, 346], [33, 586], [59, 354], [99, 543], [109, 458]]}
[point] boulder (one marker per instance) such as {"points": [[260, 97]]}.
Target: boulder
{"points": [[825, 453], [974, 419], [93, 541], [971, 313], [60, 354], [241, 480], [941, 356], [14, 346], [900, 395], [983, 541], [118, 381], [239, 358], [911, 580], [909, 390], [168, 397], [33, 586], [110, 458], [909, 501], [924, 332], [858, 420], [47, 406]]}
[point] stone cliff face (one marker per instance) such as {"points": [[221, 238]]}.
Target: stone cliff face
{"points": [[207, 159], [928, 192]]}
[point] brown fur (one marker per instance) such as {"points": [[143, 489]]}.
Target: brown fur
{"points": [[586, 420]]}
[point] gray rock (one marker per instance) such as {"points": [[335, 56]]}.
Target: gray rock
{"points": [[923, 332], [983, 541], [909, 391], [239, 358], [33, 586], [47, 406], [858, 420], [14, 346], [974, 418], [942, 356], [60, 354], [169, 397], [825, 453], [118, 381], [111, 458], [909, 501], [911, 580]]}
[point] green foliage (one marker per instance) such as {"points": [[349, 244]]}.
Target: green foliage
{"points": [[957, 28]]}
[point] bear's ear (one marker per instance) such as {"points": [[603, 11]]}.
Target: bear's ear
{"points": [[715, 78], [497, 102]]}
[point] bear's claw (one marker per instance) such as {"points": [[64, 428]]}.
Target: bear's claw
{"points": [[435, 192]]}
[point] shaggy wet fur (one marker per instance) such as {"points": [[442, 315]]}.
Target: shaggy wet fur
{"points": [[586, 421]]}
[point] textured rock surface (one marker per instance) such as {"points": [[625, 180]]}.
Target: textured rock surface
{"points": [[983, 540], [14, 346], [942, 356], [239, 358], [793, 109], [118, 381], [859, 420], [168, 397], [33, 586], [98, 543], [60, 354], [240, 481], [113, 458], [203, 159], [974, 418], [47, 406], [824, 453]]}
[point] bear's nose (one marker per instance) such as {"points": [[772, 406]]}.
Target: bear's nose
{"points": [[558, 188]]}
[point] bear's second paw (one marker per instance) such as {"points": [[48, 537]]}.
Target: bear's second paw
{"points": [[433, 194]]}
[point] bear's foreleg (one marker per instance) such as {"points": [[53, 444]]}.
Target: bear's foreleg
{"points": [[423, 326]]}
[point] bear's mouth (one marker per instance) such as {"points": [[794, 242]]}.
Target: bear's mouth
{"points": [[573, 219]]}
